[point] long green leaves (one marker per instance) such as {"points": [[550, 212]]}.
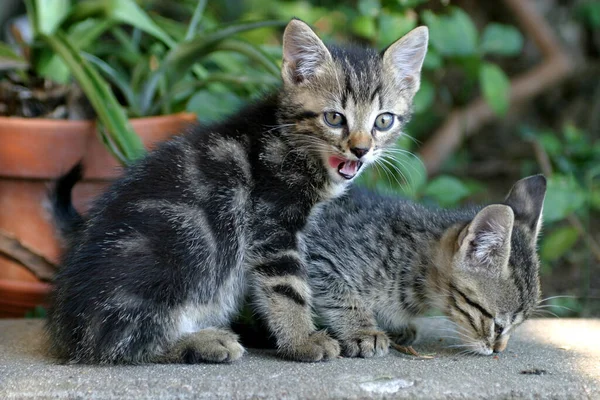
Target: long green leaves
{"points": [[125, 11], [180, 59], [11, 60], [110, 113], [193, 27]]}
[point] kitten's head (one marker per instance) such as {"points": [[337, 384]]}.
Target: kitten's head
{"points": [[347, 105], [494, 284]]}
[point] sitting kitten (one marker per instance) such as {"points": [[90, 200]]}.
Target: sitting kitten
{"points": [[377, 262], [160, 267]]}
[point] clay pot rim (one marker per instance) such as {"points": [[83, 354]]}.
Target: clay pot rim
{"points": [[34, 148], [13, 285], [85, 122]]}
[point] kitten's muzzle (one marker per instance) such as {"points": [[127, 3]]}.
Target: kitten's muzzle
{"points": [[347, 169]]}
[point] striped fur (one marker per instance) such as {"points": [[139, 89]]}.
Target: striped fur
{"points": [[159, 267], [375, 263]]}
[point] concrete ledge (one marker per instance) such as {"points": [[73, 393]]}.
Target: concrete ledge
{"points": [[545, 359]]}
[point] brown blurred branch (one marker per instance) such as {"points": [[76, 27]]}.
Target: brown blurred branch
{"points": [[464, 122], [39, 265]]}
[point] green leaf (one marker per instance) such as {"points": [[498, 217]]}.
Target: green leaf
{"points": [[453, 34], [117, 78], [52, 67], [364, 26], [563, 196], [11, 60], [181, 58], [393, 26], [185, 89], [499, 39], [414, 174], [210, 106], [196, 17], [50, 14], [447, 190], [551, 144], [251, 51], [85, 33], [109, 111], [129, 12], [589, 13], [495, 87], [424, 97], [432, 60], [595, 199], [369, 8], [558, 242], [410, 3], [81, 35], [126, 11]]}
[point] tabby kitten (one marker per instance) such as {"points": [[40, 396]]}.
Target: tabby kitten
{"points": [[377, 262], [158, 269]]}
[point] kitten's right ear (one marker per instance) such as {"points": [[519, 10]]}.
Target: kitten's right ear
{"points": [[404, 58], [303, 53], [484, 245], [526, 198]]}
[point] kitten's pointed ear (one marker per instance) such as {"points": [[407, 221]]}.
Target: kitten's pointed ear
{"points": [[404, 58], [484, 245], [303, 53], [526, 198]]}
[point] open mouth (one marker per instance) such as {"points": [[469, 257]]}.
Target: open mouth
{"points": [[347, 169]]}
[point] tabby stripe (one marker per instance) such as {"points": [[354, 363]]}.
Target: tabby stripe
{"points": [[471, 302], [419, 283], [319, 257], [347, 91], [346, 308], [284, 265], [290, 293], [463, 312], [403, 286], [376, 93]]}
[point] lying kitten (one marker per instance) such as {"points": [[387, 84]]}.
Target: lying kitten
{"points": [[159, 268], [377, 262]]}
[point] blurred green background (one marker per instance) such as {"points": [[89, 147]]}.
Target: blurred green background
{"points": [[476, 50]]}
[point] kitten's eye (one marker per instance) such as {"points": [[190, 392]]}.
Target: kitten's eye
{"points": [[384, 121], [334, 119]]}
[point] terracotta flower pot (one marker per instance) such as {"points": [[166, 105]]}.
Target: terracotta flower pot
{"points": [[34, 152]]}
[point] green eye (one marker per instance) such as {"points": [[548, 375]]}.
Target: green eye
{"points": [[334, 119], [384, 121]]}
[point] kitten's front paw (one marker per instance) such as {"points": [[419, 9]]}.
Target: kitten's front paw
{"points": [[406, 337], [317, 347], [211, 345], [366, 344]]}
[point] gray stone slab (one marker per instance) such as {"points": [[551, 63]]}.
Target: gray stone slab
{"points": [[567, 350]]}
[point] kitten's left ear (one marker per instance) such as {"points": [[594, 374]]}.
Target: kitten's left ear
{"points": [[404, 58], [526, 198], [484, 245], [303, 53]]}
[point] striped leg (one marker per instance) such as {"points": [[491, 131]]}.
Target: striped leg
{"points": [[282, 296]]}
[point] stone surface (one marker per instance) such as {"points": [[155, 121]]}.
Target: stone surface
{"points": [[544, 359]]}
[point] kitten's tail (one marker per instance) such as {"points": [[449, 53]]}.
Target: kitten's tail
{"points": [[68, 221]]}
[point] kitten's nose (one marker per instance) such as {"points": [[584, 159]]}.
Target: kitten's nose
{"points": [[359, 151]]}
